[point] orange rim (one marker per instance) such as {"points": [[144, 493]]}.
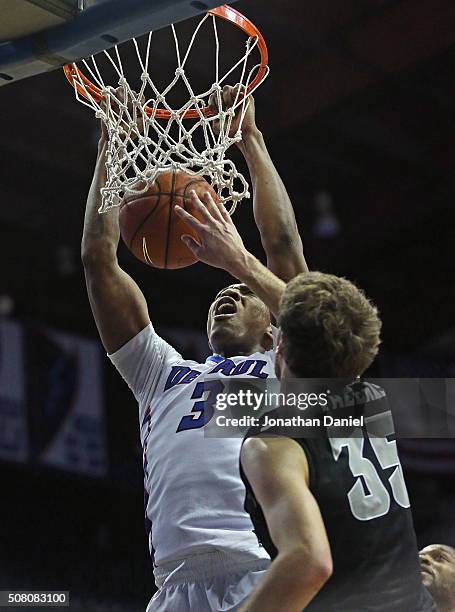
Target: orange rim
{"points": [[226, 12]]}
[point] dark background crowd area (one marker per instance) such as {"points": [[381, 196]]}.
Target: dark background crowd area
{"points": [[359, 117]]}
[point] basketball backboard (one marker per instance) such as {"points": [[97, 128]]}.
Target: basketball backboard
{"points": [[41, 35]]}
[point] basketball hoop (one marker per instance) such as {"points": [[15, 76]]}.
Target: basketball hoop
{"points": [[146, 136]]}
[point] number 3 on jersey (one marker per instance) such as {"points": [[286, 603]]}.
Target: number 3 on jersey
{"points": [[205, 407], [366, 506]]}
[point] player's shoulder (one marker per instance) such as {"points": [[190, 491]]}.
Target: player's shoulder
{"points": [[191, 364], [213, 360], [366, 390], [268, 355]]}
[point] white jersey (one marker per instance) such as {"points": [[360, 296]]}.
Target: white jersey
{"points": [[194, 493]]}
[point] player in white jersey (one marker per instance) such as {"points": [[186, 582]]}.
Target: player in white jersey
{"points": [[205, 553]]}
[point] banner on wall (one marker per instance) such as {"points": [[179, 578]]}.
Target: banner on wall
{"points": [[51, 400], [13, 420]]}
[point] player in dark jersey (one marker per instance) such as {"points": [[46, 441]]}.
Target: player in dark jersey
{"points": [[333, 513], [333, 502]]}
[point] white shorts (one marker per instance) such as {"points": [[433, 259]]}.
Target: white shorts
{"points": [[207, 582]]}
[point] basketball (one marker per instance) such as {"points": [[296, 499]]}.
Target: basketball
{"points": [[149, 225]]}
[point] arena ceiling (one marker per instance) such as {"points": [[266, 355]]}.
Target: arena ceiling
{"points": [[359, 104]]}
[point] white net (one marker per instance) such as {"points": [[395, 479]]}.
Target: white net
{"points": [[147, 137]]}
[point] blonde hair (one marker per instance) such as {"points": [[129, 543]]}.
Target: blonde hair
{"points": [[329, 327]]}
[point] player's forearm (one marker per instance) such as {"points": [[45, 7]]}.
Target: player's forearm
{"points": [[289, 585], [101, 231], [273, 211], [268, 287]]}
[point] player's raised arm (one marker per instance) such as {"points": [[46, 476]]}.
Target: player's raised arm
{"points": [[272, 207], [117, 303], [277, 471]]}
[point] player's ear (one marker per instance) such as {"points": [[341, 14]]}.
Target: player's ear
{"points": [[280, 363], [208, 338], [267, 340], [208, 331], [279, 345]]}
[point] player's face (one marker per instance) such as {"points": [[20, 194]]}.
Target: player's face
{"points": [[438, 573], [238, 322]]}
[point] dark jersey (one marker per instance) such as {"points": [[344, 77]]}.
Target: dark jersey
{"points": [[358, 484]]}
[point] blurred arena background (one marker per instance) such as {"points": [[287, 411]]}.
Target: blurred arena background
{"points": [[359, 116]]}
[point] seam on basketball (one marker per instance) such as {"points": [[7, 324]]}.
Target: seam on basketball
{"points": [[169, 220]]}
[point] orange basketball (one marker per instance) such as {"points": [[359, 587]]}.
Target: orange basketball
{"points": [[149, 225]]}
